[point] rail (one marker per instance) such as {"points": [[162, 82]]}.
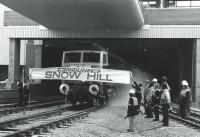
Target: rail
{"points": [[192, 120], [44, 127], [19, 109]]}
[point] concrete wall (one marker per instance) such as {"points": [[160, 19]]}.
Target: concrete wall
{"points": [[15, 19], [172, 16], [5, 93], [4, 41], [197, 71]]}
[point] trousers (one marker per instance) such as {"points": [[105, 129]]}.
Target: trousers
{"points": [[131, 123]]}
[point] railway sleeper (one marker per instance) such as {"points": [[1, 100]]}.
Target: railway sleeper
{"points": [[58, 124], [78, 117], [73, 118], [30, 132], [46, 129], [64, 123], [69, 121], [53, 125], [38, 131]]}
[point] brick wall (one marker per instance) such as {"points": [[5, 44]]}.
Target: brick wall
{"points": [[167, 16], [12, 18]]}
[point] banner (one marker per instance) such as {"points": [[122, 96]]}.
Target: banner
{"points": [[81, 74]]}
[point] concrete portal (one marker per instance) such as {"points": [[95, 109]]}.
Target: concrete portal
{"points": [[154, 50], [81, 14], [151, 57]]}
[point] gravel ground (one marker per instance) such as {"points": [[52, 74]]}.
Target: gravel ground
{"points": [[109, 122]]}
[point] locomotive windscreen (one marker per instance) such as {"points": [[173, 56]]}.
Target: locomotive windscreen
{"points": [[72, 57], [91, 57]]}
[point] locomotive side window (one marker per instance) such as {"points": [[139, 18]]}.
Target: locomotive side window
{"points": [[105, 61], [72, 57], [91, 57]]}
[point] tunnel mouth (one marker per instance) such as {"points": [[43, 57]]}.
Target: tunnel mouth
{"points": [[150, 57]]}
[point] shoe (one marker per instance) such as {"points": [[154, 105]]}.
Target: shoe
{"points": [[165, 125], [146, 117], [151, 117], [129, 130], [155, 119]]}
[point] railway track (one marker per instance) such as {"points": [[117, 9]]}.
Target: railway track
{"points": [[41, 123], [192, 120], [7, 111], [32, 102]]}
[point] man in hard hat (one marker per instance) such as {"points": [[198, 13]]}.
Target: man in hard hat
{"points": [[185, 99], [154, 80], [165, 101], [148, 97], [133, 109]]}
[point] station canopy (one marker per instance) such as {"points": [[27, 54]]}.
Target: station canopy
{"points": [[80, 14]]}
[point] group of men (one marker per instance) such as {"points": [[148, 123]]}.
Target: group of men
{"points": [[104, 95], [157, 94]]}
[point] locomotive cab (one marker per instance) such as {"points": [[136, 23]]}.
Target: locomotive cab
{"points": [[80, 91], [85, 58]]}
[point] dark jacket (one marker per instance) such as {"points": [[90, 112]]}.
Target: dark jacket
{"points": [[156, 97], [133, 107]]}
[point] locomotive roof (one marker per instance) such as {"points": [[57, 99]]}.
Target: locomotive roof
{"points": [[75, 45], [86, 47]]}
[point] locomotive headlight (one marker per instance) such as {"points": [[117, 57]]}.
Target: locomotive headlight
{"points": [[94, 89], [64, 89]]}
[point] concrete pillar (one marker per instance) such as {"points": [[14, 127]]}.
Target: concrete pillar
{"points": [[197, 71], [163, 4], [34, 57], [14, 63]]}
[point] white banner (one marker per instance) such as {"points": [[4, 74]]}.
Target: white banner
{"points": [[81, 74]]}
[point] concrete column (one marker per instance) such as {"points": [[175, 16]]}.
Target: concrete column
{"points": [[34, 56], [14, 63], [163, 3], [197, 71]]}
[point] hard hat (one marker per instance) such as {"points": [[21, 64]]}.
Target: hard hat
{"points": [[154, 80], [164, 78], [184, 83], [131, 91]]}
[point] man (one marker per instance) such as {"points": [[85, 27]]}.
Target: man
{"points": [[164, 81], [138, 88], [26, 94], [165, 102], [156, 101], [148, 97], [133, 110], [185, 99], [21, 92]]}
